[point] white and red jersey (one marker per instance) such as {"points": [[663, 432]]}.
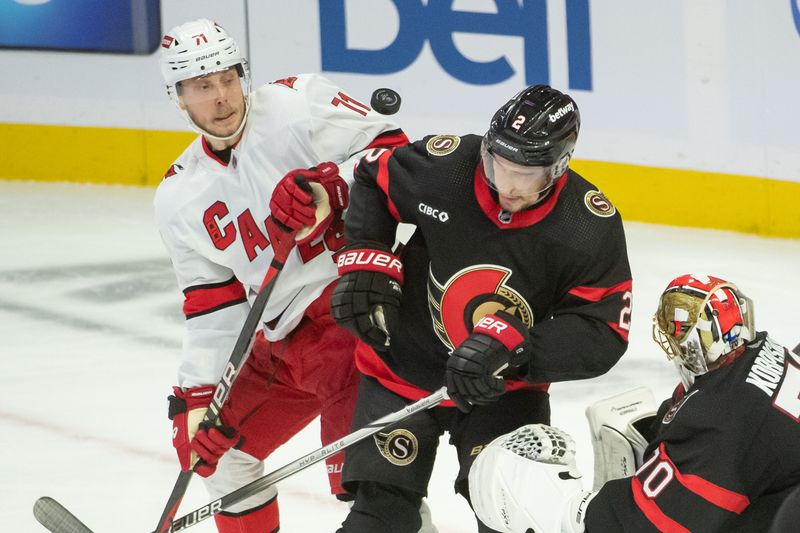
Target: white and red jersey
{"points": [[211, 214]]}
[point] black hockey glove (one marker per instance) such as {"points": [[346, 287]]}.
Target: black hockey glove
{"points": [[366, 301], [497, 342]]}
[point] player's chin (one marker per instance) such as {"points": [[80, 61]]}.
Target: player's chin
{"points": [[514, 204], [225, 127]]}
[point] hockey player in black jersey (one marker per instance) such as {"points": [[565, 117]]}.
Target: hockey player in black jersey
{"points": [[724, 456], [517, 276]]}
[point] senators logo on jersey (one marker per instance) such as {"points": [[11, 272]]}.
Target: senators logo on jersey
{"points": [[599, 204], [469, 295], [399, 447]]}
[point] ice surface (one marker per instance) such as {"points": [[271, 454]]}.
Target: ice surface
{"points": [[90, 329]]}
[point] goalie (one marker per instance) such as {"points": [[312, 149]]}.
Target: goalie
{"points": [[723, 454]]}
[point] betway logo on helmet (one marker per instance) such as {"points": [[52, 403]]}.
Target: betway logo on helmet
{"points": [[212, 54], [561, 112]]}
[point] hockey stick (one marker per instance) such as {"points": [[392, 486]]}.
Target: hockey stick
{"points": [[55, 517], [254, 487], [58, 519], [239, 354], [241, 350]]}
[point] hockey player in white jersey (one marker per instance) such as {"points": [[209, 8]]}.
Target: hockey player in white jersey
{"points": [[228, 206]]}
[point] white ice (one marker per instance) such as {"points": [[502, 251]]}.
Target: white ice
{"points": [[90, 328]]}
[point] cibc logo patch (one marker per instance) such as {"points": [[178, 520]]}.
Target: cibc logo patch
{"points": [[599, 204], [443, 144], [399, 446]]}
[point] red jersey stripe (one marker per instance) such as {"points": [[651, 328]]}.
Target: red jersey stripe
{"points": [[204, 299], [383, 182], [623, 333], [712, 493], [368, 363], [388, 139], [595, 294], [652, 512]]}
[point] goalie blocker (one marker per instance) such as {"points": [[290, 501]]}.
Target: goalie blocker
{"points": [[621, 427]]}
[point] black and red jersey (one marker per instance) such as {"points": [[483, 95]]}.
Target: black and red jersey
{"points": [[725, 455], [560, 266]]}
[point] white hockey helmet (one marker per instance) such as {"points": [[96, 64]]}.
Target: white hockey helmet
{"points": [[199, 48], [700, 320]]}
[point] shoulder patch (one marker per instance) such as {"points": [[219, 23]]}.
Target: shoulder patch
{"points": [[442, 144], [598, 204], [173, 169], [288, 82]]}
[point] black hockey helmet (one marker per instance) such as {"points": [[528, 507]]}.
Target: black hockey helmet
{"points": [[538, 127]]}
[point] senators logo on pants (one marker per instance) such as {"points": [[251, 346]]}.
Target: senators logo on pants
{"points": [[399, 446], [469, 295]]}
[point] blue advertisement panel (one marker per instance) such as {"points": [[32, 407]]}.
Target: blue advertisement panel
{"points": [[117, 26], [437, 22]]}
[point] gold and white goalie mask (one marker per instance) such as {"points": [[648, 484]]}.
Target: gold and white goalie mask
{"points": [[700, 319]]}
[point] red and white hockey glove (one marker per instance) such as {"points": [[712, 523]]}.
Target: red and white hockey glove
{"points": [[497, 342], [366, 301], [210, 443], [336, 189], [307, 201], [192, 440], [292, 202]]}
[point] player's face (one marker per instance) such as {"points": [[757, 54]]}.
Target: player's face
{"points": [[215, 102], [518, 187]]}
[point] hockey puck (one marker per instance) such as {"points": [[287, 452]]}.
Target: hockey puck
{"points": [[385, 101]]}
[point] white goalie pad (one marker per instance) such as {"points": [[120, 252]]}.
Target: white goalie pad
{"points": [[618, 445], [528, 479]]}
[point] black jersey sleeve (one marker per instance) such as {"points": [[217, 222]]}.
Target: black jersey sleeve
{"points": [[372, 215], [588, 331]]}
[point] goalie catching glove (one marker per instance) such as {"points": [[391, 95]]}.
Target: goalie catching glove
{"points": [[366, 301], [199, 444], [527, 479], [497, 342]]}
